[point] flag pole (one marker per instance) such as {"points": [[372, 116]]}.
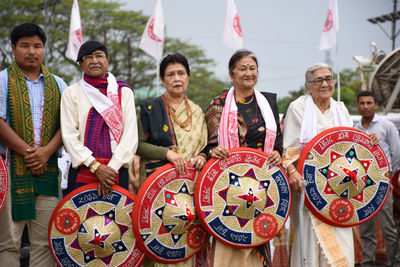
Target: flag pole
{"points": [[337, 67], [158, 77]]}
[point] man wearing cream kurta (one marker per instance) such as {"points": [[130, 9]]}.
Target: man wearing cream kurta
{"points": [[324, 245], [98, 123]]}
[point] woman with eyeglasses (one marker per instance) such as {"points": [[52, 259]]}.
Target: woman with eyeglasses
{"points": [[308, 115]]}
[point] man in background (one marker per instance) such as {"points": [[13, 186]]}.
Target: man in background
{"points": [[389, 141]]}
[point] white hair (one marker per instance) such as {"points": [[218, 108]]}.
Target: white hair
{"points": [[310, 71]]}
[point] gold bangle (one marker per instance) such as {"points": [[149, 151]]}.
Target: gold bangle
{"points": [[292, 171], [94, 166]]}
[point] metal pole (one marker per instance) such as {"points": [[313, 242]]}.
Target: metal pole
{"points": [[158, 78], [337, 67], [46, 22], [393, 97], [129, 61], [394, 25]]}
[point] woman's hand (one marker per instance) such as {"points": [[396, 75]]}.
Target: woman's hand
{"points": [[274, 158], [198, 162], [219, 152], [178, 161], [295, 179]]}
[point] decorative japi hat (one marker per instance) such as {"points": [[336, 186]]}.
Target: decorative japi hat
{"points": [[348, 179], [164, 216], [242, 200], [3, 182], [90, 230]]}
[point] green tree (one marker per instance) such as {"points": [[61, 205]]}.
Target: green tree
{"points": [[350, 86], [119, 29], [283, 103], [203, 85]]}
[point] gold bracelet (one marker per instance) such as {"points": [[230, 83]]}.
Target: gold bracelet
{"points": [[292, 171], [94, 167]]}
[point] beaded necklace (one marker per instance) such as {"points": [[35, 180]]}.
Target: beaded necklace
{"points": [[188, 121]]}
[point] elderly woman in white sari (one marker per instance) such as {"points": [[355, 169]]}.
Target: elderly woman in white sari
{"points": [[307, 116]]}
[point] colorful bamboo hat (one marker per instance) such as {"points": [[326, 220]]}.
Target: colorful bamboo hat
{"points": [[3, 182], [348, 179], [164, 217], [242, 200], [89, 230]]}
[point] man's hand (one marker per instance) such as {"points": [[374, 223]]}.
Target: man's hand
{"points": [[373, 139], [36, 159], [106, 176], [103, 190]]}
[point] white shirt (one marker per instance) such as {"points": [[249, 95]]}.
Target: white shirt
{"points": [[75, 107]]}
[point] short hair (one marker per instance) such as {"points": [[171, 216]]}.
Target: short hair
{"points": [[173, 58], [27, 29], [310, 71], [367, 93], [238, 55]]}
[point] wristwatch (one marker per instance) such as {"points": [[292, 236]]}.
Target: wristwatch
{"points": [[95, 166]]}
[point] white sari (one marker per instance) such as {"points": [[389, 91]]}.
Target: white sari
{"points": [[325, 245]]}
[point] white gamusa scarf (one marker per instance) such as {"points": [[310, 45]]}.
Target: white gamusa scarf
{"points": [[107, 106], [228, 135], [309, 125]]}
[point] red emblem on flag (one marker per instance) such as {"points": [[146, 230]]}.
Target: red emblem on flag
{"points": [[78, 34], [236, 25], [150, 32], [329, 21]]}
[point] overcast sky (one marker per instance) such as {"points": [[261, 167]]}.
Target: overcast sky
{"points": [[284, 34]]}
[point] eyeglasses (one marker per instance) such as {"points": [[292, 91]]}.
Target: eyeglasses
{"points": [[99, 56], [320, 81]]}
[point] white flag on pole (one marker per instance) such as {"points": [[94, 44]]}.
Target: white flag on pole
{"points": [[75, 38], [331, 27], [232, 35], [153, 36]]}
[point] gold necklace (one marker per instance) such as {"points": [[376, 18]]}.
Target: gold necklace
{"points": [[243, 100], [188, 121]]}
